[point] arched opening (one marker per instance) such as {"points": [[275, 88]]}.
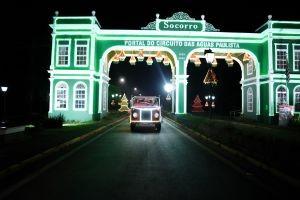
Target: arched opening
{"points": [[227, 91], [139, 71], [234, 70]]}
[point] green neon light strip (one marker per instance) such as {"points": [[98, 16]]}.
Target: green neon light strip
{"points": [[51, 96]]}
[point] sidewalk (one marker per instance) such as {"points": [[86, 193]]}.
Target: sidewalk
{"points": [[20, 146]]}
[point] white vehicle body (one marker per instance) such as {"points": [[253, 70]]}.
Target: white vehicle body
{"points": [[145, 111]]}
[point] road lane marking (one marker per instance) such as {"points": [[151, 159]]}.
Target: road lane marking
{"points": [[34, 175]]}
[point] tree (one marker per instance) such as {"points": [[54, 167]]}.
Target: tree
{"points": [[197, 105], [124, 104]]}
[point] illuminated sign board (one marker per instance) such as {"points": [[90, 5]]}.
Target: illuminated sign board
{"points": [[178, 43], [179, 25]]}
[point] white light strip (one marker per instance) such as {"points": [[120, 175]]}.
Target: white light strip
{"points": [[62, 71], [179, 33], [91, 99], [185, 38], [92, 50], [52, 52], [51, 96]]}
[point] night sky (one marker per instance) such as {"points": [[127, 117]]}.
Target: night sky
{"points": [[26, 36]]}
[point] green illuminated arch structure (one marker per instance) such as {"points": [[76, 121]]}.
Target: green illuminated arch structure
{"points": [[82, 53]]}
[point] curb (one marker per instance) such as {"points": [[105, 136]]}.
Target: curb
{"points": [[22, 164], [290, 180]]}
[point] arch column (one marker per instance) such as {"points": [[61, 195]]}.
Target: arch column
{"points": [[181, 100], [103, 88]]}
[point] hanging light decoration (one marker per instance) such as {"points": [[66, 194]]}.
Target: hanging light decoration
{"points": [[158, 57], [166, 61], [197, 62], [116, 59], [210, 77], [206, 104], [246, 58], [193, 58], [229, 60], [213, 104], [149, 60], [132, 60], [230, 64], [168, 98], [214, 63], [140, 56], [122, 56]]}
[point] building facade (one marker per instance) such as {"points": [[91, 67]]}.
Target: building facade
{"points": [[82, 52]]}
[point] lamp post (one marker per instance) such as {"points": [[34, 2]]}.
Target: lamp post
{"points": [[135, 91], [122, 82], [3, 122], [210, 79], [210, 102]]}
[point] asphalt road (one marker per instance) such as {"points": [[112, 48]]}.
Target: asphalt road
{"points": [[142, 165]]}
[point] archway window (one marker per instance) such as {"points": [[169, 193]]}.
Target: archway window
{"points": [[249, 100], [250, 66], [281, 56], [80, 96], [81, 53], [61, 97], [63, 53], [297, 98], [296, 57], [281, 96]]}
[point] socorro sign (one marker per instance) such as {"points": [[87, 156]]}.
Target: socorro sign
{"points": [[167, 25]]}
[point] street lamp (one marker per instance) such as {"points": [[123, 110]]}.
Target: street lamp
{"points": [[210, 79], [210, 102], [3, 123], [122, 82], [168, 87]]}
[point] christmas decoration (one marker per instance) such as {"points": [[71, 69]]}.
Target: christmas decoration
{"points": [[197, 62], [210, 77], [122, 56], [214, 63], [140, 56], [113, 102], [197, 105], [124, 104], [158, 57], [166, 61], [193, 58], [229, 60], [246, 57], [149, 61], [132, 60], [116, 59], [168, 98]]}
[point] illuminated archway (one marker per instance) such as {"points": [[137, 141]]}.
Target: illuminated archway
{"points": [[83, 51]]}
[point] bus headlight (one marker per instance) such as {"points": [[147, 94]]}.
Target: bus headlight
{"points": [[156, 115]]}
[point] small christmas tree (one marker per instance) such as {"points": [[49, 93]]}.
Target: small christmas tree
{"points": [[197, 105], [124, 104], [210, 77]]}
